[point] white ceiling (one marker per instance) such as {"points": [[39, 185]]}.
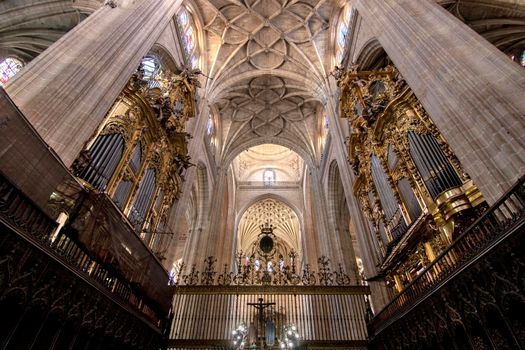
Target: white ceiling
{"points": [[249, 165], [266, 67]]}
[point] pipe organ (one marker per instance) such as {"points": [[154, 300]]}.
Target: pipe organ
{"points": [[138, 154], [410, 185]]}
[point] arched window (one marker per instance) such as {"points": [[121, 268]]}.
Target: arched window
{"points": [[342, 32], [324, 132], [150, 67], [188, 36], [8, 68], [210, 132], [269, 177]]}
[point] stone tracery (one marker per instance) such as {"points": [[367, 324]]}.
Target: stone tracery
{"points": [[271, 211], [275, 44], [267, 103]]}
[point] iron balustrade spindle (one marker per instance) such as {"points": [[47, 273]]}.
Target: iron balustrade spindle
{"points": [[492, 227], [18, 211]]}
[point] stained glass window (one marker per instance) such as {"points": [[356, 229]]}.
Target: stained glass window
{"points": [[187, 32], [8, 68], [342, 32], [188, 38], [183, 18]]}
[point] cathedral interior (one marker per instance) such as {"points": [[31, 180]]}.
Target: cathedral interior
{"points": [[262, 174]]}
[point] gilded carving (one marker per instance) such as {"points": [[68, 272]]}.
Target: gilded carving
{"points": [[151, 113], [382, 110]]}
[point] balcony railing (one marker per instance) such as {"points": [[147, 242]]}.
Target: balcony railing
{"points": [[21, 214], [497, 223]]}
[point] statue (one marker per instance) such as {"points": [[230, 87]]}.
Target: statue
{"points": [[270, 333]]}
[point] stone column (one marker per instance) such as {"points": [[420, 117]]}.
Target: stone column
{"points": [[196, 150], [310, 244], [228, 248], [67, 90], [216, 243], [472, 91], [326, 239], [364, 235]]}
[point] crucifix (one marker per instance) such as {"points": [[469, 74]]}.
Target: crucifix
{"points": [[260, 306]]}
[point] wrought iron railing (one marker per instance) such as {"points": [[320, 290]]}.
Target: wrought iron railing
{"points": [[329, 315], [499, 221], [20, 213], [250, 274]]}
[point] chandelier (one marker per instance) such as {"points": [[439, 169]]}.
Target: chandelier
{"points": [[239, 335], [289, 339]]}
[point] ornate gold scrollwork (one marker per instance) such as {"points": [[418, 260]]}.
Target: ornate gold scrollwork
{"points": [[152, 113], [382, 110]]}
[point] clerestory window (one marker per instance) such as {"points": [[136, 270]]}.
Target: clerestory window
{"points": [[269, 177], [188, 36], [342, 33]]}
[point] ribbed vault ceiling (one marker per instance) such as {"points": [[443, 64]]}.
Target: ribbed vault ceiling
{"points": [[28, 27], [501, 23], [266, 66], [272, 211]]}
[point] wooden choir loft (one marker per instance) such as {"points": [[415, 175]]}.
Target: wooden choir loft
{"points": [[262, 174]]}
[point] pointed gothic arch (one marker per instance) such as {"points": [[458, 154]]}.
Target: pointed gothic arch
{"points": [[230, 154], [371, 56], [293, 242], [339, 217]]}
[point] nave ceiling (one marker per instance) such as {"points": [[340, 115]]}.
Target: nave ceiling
{"points": [[267, 68]]}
